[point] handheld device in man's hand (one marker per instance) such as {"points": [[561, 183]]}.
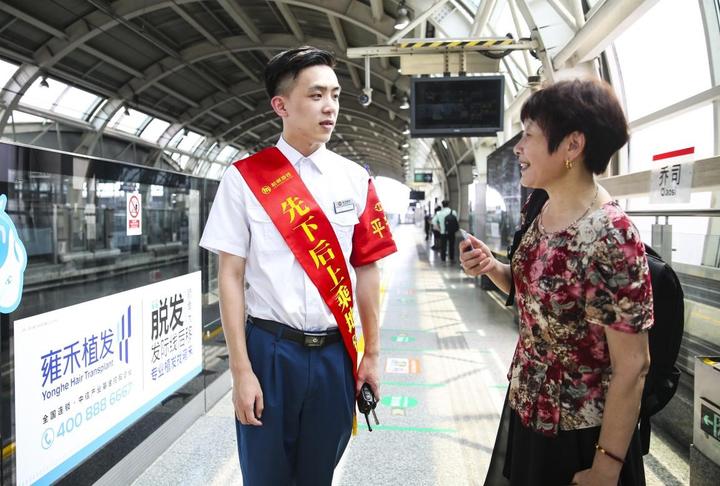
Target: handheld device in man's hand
{"points": [[366, 403]]}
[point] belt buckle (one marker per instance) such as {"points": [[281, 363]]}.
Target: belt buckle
{"points": [[314, 340]]}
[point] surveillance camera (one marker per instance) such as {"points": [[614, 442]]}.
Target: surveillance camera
{"points": [[364, 100], [366, 97]]}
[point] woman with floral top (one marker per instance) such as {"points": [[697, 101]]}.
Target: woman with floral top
{"points": [[584, 300]]}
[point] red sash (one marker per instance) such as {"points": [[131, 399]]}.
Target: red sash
{"points": [[308, 233]]}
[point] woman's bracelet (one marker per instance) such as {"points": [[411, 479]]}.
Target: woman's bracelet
{"points": [[598, 447]]}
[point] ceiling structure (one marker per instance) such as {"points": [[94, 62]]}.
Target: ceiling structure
{"points": [[197, 65]]}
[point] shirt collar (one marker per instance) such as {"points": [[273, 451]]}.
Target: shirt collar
{"points": [[318, 158]]}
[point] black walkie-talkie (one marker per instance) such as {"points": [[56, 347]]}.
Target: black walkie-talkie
{"points": [[367, 403]]}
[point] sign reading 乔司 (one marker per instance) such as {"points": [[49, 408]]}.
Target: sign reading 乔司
{"points": [[671, 177]]}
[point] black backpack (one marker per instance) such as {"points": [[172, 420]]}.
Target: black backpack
{"points": [[665, 336], [451, 224]]}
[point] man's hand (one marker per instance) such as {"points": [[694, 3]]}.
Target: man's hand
{"points": [[368, 373], [475, 257], [247, 398]]}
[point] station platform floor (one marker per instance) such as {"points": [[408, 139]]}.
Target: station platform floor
{"points": [[446, 347]]}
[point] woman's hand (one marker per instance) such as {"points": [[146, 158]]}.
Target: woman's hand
{"points": [[476, 258], [593, 477]]}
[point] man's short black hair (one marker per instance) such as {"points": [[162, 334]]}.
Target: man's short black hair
{"points": [[586, 106], [284, 67], [446, 203]]}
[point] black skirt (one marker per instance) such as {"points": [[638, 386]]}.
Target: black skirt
{"points": [[523, 457]]}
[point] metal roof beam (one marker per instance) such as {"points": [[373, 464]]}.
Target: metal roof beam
{"points": [[194, 23], [339, 33], [177, 95], [214, 41], [203, 50], [110, 60], [291, 21], [600, 30], [27, 18], [376, 7], [564, 14], [481, 17], [236, 13], [242, 20]]}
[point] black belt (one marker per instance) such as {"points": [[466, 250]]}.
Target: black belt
{"points": [[309, 339]]}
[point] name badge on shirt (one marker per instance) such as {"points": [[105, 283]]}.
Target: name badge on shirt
{"points": [[343, 206]]}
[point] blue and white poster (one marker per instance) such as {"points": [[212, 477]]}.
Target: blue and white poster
{"points": [[13, 260], [85, 372]]}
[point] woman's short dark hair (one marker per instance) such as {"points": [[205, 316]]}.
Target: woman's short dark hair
{"points": [[587, 106], [282, 69]]}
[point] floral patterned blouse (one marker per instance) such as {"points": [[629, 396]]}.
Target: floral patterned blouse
{"points": [[570, 285]]}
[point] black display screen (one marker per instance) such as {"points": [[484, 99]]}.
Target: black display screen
{"points": [[457, 106]]}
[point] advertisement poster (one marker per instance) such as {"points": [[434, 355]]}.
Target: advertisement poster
{"points": [[85, 372]]}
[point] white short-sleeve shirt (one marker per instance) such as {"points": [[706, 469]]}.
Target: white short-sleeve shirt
{"points": [[277, 287]]}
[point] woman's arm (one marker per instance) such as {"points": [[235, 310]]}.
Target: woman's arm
{"points": [[477, 259], [630, 360]]}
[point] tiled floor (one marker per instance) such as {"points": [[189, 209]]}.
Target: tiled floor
{"points": [[446, 347]]}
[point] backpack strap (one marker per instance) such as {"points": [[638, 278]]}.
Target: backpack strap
{"points": [[532, 208]]}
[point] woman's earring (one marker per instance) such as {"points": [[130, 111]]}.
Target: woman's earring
{"points": [[568, 164]]}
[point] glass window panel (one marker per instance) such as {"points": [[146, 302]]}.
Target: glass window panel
{"points": [[500, 19], [183, 160], [215, 171], [689, 234], [472, 4], [76, 103], [7, 70], [691, 129], [190, 141], [212, 153], [41, 96], [681, 72], [200, 169], [177, 138], [154, 130], [22, 117], [227, 153], [128, 123]]}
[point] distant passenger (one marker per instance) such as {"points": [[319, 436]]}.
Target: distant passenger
{"points": [[298, 230], [428, 225], [435, 230], [584, 300], [447, 235]]}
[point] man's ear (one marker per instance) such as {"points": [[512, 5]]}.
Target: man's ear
{"points": [[278, 105]]}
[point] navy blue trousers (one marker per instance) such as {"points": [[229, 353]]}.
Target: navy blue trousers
{"points": [[309, 397]]}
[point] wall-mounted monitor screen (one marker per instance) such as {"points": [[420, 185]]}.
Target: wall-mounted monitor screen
{"points": [[423, 177], [456, 106], [416, 196]]}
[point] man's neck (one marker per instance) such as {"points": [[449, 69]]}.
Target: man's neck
{"points": [[305, 147]]}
